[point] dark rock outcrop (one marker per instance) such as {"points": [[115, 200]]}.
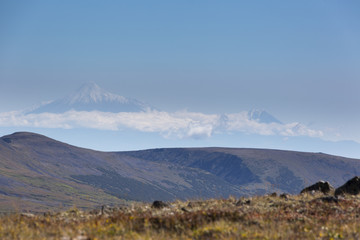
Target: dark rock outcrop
{"points": [[320, 186], [184, 209], [195, 204], [284, 196], [159, 204], [274, 194], [243, 202], [351, 187], [329, 199]]}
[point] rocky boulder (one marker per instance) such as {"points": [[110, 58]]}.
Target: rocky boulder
{"points": [[159, 204], [351, 187], [320, 186]]}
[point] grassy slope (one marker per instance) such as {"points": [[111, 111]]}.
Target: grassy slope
{"points": [[38, 173], [263, 217], [279, 170], [42, 193], [36, 170]]}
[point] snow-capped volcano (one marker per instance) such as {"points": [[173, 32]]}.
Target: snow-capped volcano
{"points": [[91, 97], [92, 93], [262, 116]]}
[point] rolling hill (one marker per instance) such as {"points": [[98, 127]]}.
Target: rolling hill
{"points": [[38, 173]]}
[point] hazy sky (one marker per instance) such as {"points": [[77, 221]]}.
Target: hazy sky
{"points": [[299, 60]]}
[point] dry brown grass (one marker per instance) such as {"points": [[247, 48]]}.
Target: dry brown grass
{"points": [[263, 217]]}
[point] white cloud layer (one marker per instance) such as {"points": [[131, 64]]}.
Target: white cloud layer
{"points": [[182, 124]]}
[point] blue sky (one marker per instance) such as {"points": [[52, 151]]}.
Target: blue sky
{"points": [[299, 60]]}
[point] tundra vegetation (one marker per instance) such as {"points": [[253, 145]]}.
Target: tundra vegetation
{"points": [[310, 215]]}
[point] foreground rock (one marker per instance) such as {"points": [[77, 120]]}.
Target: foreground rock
{"points": [[159, 204], [351, 187], [320, 186], [328, 199]]}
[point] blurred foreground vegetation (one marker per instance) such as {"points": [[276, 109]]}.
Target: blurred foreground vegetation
{"points": [[307, 216]]}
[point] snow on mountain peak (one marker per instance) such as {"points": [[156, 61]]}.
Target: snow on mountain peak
{"points": [[262, 116], [92, 93], [90, 97]]}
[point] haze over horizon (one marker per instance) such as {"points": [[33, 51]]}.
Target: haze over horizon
{"points": [[297, 61]]}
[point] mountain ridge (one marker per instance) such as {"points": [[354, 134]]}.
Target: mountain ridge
{"points": [[41, 173]]}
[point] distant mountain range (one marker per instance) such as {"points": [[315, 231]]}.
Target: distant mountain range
{"points": [[38, 173], [91, 97], [91, 112]]}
